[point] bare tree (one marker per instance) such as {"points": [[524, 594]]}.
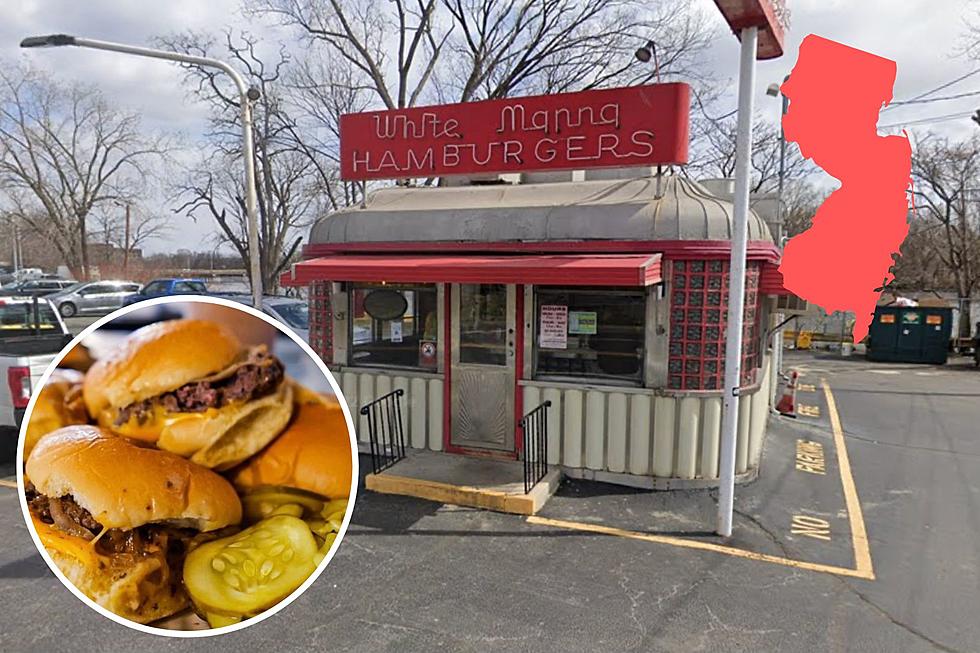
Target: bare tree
{"points": [[287, 171], [65, 151], [713, 152], [947, 181], [144, 226], [478, 49]]}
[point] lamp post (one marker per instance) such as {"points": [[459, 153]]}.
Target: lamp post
{"points": [[774, 91], [758, 25], [246, 94]]}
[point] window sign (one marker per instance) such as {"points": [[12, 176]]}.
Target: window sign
{"points": [[554, 327], [582, 322], [934, 319], [887, 318], [570, 344], [427, 353], [910, 318], [396, 331]]}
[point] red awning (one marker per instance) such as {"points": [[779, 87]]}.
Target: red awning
{"points": [[557, 269]]}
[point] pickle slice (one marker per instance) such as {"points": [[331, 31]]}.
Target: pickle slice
{"points": [[291, 509], [216, 620], [262, 503], [252, 570]]}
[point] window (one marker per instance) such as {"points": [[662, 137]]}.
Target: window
{"points": [[97, 288], [483, 324], [295, 315], [191, 287], [393, 326], [596, 333], [155, 288], [698, 313], [127, 287], [18, 319]]}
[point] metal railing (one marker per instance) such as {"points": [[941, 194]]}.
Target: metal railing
{"points": [[384, 419], [534, 439]]}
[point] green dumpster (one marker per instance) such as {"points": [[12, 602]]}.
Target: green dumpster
{"points": [[910, 334]]}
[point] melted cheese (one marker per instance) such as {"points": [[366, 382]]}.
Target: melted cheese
{"points": [[69, 545], [154, 423]]}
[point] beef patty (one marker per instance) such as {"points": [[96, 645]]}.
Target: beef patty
{"points": [[150, 539], [259, 375]]}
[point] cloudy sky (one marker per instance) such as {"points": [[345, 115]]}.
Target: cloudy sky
{"points": [[921, 35]]}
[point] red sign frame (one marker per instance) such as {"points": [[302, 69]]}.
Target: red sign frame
{"points": [[633, 126]]}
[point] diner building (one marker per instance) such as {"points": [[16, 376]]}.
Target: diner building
{"points": [[603, 291]]}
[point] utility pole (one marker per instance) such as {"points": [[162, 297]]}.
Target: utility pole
{"points": [[126, 240]]}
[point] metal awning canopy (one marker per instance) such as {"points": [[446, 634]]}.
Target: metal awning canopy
{"points": [[556, 269]]}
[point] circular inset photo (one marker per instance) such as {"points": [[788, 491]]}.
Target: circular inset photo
{"points": [[188, 466]]}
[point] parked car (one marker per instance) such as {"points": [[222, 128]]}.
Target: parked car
{"points": [[93, 297], [166, 287], [294, 313], [31, 334], [35, 288]]}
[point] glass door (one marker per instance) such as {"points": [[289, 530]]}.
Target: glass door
{"points": [[483, 366]]}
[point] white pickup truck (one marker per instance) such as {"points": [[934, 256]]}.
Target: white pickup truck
{"points": [[31, 334]]}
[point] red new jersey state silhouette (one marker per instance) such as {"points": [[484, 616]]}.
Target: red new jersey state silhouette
{"points": [[842, 262]]}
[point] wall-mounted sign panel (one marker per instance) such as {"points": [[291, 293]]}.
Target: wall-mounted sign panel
{"points": [[634, 126]]}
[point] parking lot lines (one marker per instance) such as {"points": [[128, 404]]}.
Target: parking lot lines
{"points": [[702, 546], [859, 534], [863, 567], [5, 483]]}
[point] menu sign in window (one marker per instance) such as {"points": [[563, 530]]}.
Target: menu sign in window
{"points": [[554, 327]]}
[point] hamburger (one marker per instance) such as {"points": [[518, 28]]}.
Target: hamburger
{"points": [[59, 403], [120, 532], [190, 387], [313, 454]]}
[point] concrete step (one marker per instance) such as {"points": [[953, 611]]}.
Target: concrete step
{"points": [[470, 481]]}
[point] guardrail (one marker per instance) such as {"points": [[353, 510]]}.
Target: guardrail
{"points": [[385, 431], [534, 439]]}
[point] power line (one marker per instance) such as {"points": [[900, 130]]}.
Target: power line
{"points": [[931, 91], [922, 121], [936, 99]]}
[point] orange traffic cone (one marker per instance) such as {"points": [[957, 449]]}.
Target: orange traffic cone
{"points": [[787, 404]]}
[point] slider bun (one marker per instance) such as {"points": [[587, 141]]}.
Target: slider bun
{"points": [[51, 411], [140, 590], [77, 358], [159, 358], [125, 486], [313, 453], [223, 438]]}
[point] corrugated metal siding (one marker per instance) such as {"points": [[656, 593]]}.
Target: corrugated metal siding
{"points": [[643, 434], [421, 406], [628, 432]]}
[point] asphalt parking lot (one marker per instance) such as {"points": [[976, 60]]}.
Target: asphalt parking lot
{"points": [[607, 568]]}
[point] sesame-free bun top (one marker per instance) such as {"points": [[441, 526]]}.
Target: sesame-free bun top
{"points": [[125, 486], [313, 453], [58, 404], [159, 358]]}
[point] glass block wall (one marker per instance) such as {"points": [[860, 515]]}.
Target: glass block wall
{"points": [[698, 314]]}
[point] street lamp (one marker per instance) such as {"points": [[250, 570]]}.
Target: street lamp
{"points": [[645, 52], [246, 94], [774, 91]]}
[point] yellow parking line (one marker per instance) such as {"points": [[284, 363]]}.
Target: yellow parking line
{"points": [[6, 483], [859, 534], [702, 546]]}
